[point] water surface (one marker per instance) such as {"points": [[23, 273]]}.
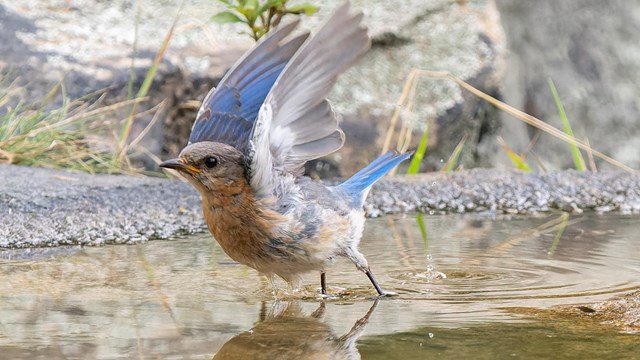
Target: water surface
{"points": [[457, 283]]}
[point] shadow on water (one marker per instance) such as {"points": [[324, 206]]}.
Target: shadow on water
{"points": [[457, 293]]}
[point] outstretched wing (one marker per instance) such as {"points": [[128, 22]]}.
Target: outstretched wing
{"points": [[296, 123], [228, 112]]}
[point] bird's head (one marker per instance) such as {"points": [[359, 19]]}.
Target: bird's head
{"points": [[215, 169]]}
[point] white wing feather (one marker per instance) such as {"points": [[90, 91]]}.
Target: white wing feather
{"points": [[296, 123]]}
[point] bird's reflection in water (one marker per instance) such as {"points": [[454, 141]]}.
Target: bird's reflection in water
{"points": [[287, 333]]}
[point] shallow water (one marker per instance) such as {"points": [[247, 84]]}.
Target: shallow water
{"points": [[457, 289]]}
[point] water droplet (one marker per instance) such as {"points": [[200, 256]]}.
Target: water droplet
{"points": [[431, 335], [429, 257]]}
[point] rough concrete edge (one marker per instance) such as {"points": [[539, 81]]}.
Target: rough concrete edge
{"points": [[126, 209]]}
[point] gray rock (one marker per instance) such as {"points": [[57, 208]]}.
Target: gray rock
{"points": [[463, 38], [44, 208], [90, 43], [590, 49]]}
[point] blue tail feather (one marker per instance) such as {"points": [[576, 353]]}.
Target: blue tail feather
{"points": [[359, 184]]}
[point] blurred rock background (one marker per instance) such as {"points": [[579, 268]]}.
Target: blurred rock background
{"points": [[591, 51], [587, 47]]}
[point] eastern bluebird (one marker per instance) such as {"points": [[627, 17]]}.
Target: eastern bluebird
{"points": [[252, 136]]}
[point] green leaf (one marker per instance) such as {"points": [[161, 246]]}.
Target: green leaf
{"points": [[307, 9], [226, 17], [252, 6], [250, 13], [269, 4]]}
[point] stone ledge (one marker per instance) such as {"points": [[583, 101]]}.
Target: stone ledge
{"points": [[44, 207]]}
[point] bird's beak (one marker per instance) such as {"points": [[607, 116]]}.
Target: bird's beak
{"points": [[178, 164]]}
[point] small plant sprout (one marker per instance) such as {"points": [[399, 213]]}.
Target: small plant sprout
{"points": [[260, 16]]}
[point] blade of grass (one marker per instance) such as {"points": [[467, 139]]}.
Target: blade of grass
{"points": [[517, 160], [406, 130], [75, 118], [414, 166], [54, 90], [530, 145], [134, 51], [6, 157], [455, 155], [146, 84], [406, 90], [575, 151], [158, 109]]}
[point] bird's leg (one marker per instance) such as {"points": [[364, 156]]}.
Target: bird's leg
{"points": [[361, 263], [374, 282], [323, 283]]}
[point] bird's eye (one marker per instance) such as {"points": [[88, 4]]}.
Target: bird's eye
{"points": [[211, 162]]}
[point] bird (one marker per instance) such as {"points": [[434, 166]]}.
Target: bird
{"points": [[252, 136]]}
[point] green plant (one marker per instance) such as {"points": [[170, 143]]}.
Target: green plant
{"points": [[578, 160], [260, 16]]}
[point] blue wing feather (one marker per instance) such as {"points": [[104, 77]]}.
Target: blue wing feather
{"points": [[227, 116], [227, 128]]}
